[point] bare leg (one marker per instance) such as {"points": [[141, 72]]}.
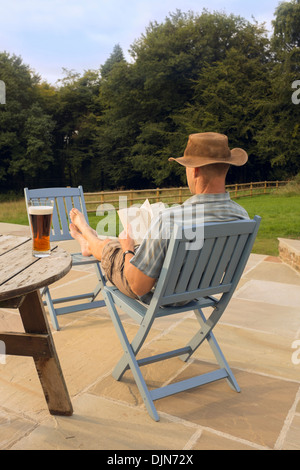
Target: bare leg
{"points": [[84, 246], [79, 221], [85, 235]]}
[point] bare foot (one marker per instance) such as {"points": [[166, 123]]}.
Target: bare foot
{"points": [[84, 246], [78, 219]]}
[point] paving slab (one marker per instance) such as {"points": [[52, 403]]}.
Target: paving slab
{"points": [[262, 317], [13, 428], [244, 348], [276, 293], [220, 441], [99, 424], [292, 438], [253, 415]]}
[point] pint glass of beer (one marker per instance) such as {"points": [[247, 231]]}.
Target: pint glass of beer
{"points": [[40, 216]]}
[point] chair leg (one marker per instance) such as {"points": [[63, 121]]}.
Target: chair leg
{"points": [[198, 338], [197, 341], [50, 303], [222, 362], [51, 309], [131, 360], [101, 280], [136, 345]]}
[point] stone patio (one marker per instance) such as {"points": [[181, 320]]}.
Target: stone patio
{"points": [[259, 335]]}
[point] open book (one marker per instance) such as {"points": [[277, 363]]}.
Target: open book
{"points": [[140, 218]]}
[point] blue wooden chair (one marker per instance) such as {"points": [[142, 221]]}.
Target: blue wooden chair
{"points": [[187, 276], [65, 199]]}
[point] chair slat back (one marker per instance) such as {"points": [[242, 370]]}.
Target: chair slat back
{"points": [[65, 199], [213, 269], [218, 249]]}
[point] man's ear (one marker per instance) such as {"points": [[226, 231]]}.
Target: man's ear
{"points": [[196, 172]]}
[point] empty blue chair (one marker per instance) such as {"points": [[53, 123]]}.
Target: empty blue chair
{"points": [[65, 199], [193, 278]]}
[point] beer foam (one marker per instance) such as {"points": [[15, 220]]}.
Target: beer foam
{"points": [[40, 210]]}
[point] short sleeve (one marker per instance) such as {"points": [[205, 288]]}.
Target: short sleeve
{"points": [[150, 255]]}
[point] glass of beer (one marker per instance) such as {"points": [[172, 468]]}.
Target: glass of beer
{"points": [[40, 216]]}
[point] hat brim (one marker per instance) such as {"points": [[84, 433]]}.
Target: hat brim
{"points": [[238, 157]]}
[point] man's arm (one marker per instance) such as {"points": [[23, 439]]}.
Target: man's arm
{"points": [[139, 282]]}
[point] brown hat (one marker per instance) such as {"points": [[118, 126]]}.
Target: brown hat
{"points": [[209, 147]]}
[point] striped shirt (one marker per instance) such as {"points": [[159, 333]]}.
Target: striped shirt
{"points": [[199, 209]]}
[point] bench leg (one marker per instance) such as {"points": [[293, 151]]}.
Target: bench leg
{"points": [[48, 368]]}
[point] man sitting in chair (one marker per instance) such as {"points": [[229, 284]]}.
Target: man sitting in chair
{"points": [[134, 270]]}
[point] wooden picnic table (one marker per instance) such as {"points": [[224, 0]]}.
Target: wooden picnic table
{"points": [[21, 278]]}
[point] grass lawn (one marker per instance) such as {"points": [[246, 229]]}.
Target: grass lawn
{"points": [[280, 218], [13, 212]]}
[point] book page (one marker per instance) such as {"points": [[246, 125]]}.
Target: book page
{"points": [[156, 208], [139, 218]]}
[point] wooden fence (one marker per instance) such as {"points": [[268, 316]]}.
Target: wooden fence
{"points": [[171, 195]]}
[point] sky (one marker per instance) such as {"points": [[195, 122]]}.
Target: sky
{"points": [[80, 35]]}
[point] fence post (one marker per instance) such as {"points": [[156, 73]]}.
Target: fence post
{"points": [[277, 185], [236, 188], [265, 187], [131, 197], [180, 195], [251, 188], [157, 194]]}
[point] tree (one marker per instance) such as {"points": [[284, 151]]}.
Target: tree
{"points": [[115, 57], [279, 139], [230, 97], [286, 26], [21, 85], [119, 127], [33, 164], [199, 73], [77, 113]]}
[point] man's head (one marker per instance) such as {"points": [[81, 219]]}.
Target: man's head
{"points": [[207, 179], [207, 159], [209, 148]]}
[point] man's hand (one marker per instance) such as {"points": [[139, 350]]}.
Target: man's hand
{"points": [[139, 283], [127, 243]]}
